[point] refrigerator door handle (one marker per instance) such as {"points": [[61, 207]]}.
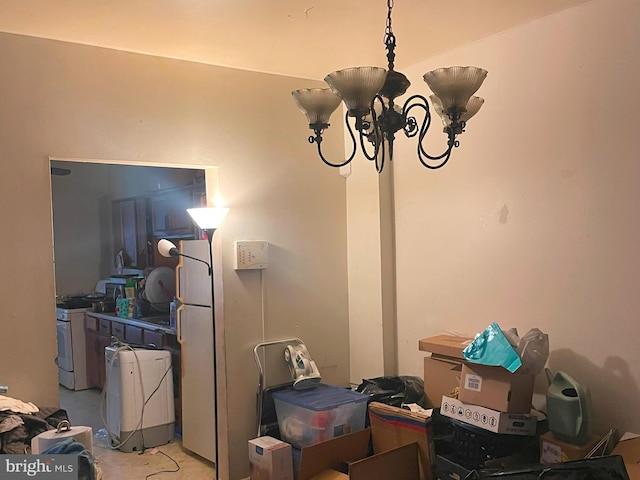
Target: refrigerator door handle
{"points": [[179, 280], [179, 324]]}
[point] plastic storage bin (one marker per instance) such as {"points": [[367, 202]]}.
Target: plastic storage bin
{"points": [[307, 417]]}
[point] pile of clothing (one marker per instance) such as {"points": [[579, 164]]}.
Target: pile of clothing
{"points": [[21, 421]]}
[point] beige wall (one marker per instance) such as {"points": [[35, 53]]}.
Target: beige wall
{"points": [[70, 101], [534, 222]]}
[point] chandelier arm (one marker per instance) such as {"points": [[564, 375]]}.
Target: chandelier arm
{"points": [[376, 144], [411, 130], [372, 132], [318, 140], [451, 143], [411, 125], [446, 155]]}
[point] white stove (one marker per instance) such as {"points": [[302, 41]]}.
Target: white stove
{"points": [[72, 355]]}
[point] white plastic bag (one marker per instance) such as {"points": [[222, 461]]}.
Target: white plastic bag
{"points": [[533, 349]]}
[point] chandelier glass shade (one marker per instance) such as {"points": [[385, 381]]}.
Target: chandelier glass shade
{"points": [[369, 95], [317, 104], [357, 86], [473, 105]]}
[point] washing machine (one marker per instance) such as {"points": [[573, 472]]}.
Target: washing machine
{"points": [[139, 397]]}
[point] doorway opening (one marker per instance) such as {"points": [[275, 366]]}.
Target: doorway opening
{"points": [[107, 218]]}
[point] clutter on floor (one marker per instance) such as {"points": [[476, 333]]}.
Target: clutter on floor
{"points": [[26, 429], [21, 421], [470, 416]]}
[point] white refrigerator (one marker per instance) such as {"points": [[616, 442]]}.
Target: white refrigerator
{"points": [[195, 334]]}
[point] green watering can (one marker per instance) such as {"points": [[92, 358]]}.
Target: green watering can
{"points": [[568, 408]]}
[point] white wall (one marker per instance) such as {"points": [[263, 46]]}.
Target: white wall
{"points": [[534, 222], [70, 101]]}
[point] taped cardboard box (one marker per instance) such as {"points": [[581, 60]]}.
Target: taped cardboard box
{"points": [[393, 427], [442, 370], [496, 388], [347, 457], [445, 345]]}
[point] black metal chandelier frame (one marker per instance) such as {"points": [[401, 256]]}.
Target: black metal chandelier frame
{"points": [[379, 127]]}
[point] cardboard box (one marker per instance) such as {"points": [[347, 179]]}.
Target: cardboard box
{"points": [[630, 451], [393, 427], [496, 388], [441, 378], [443, 368], [347, 457], [445, 345], [488, 419], [553, 450], [270, 459]]}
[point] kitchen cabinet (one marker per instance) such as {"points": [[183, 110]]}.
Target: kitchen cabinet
{"points": [[97, 338], [133, 335], [169, 217], [117, 330], [131, 232]]}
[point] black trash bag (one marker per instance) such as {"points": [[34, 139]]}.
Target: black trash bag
{"points": [[395, 391], [610, 467]]}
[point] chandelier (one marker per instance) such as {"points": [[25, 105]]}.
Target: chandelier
{"points": [[369, 94]]}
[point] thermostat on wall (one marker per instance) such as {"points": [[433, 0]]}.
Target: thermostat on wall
{"points": [[251, 254]]}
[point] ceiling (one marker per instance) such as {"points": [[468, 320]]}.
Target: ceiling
{"points": [[302, 38]]}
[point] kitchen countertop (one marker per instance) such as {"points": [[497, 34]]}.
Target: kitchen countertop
{"points": [[137, 322]]}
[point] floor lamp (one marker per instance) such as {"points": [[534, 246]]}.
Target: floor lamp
{"points": [[208, 220]]}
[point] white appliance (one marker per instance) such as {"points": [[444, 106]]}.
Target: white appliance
{"points": [[72, 353], [139, 398], [303, 369], [195, 334]]}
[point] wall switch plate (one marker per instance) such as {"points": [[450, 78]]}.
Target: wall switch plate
{"points": [[251, 254]]}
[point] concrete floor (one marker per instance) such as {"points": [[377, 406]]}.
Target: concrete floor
{"points": [[83, 408]]}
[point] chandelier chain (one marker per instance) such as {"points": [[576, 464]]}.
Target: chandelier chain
{"points": [[389, 37]]}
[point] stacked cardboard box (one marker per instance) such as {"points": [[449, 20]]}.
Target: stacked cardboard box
{"points": [[443, 368], [486, 386], [480, 399]]}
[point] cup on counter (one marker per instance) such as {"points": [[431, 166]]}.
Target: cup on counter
{"points": [[122, 307]]}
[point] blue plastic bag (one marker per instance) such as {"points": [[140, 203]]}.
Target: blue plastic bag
{"points": [[491, 347]]}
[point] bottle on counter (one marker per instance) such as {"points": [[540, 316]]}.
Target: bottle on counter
{"points": [[173, 315]]}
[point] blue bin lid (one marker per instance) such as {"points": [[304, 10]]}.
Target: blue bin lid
{"points": [[321, 397]]}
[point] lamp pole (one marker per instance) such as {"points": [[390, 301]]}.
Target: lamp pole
{"points": [[209, 232]]}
